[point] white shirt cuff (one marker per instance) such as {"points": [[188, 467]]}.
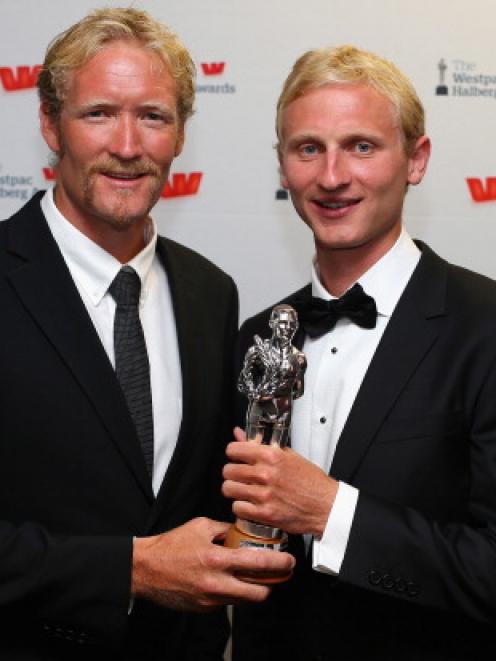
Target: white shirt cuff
{"points": [[328, 552]]}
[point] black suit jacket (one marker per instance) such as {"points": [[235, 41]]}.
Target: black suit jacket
{"points": [[73, 484], [418, 580]]}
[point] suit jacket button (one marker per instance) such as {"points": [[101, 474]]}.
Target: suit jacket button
{"points": [[412, 589], [387, 581], [82, 639], [400, 585], [374, 577]]}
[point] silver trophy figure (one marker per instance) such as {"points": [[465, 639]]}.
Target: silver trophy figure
{"points": [[272, 377]]}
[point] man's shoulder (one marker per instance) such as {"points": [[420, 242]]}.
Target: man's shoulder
{"points": [[181, 259], [32, 206], [463, 285], [472, 285], [20, 226]]}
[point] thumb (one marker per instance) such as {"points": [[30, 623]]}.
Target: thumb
{"points": [[239, 434], [216, 529]]}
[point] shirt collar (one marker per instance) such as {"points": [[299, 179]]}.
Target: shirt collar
{"points": [[386, 279], [92, 266]]}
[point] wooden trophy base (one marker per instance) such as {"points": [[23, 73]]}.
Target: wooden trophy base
{"points": [[236, 539]]}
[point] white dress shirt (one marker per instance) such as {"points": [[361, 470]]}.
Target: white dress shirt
{"points": [[93, 269], [337, 363]]}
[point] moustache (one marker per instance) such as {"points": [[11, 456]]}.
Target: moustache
{"points": [[116, 167]]}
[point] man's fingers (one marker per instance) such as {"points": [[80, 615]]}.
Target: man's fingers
{"points": [[250, 492], [251, 511], [246, 473], [239, 560], [251, 452], [239, 591], [236, 563], [260, 560], [244, 452]]}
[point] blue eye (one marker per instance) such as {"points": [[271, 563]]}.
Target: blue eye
{"points": [[363, 147], [308, 150]]}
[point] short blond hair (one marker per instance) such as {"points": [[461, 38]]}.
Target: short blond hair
{"points": [[79, 43], [350, 65]]}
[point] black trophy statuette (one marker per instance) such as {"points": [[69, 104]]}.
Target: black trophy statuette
{"points": [[442, 88]]}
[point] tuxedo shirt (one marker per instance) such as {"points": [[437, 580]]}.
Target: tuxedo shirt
{"points": [[337, 362], [93, 270]]}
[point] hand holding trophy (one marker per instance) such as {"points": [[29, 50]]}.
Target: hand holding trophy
{"points": [[272, 376]]}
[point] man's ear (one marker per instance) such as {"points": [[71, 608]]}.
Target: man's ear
{"points": [[282, 175], [49, 128], [180, 140], [418, 160]]}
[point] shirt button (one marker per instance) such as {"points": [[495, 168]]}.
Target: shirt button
{"points": [[334, 350], [323, 420]]}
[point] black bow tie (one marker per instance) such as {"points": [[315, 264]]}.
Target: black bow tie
{"points": [[318, 316]]}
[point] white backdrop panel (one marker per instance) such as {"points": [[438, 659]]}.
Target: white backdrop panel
{"points": [[234, 218]]}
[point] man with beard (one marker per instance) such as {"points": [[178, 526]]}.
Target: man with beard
{"points": [[115, 362], [389, 489]]}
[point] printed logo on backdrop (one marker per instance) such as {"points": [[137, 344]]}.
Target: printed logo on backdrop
{"points": [[15, 79], [23, 77], [482, 191], [211, 79], [463, 78], [442, 88], [180, 184], [16, 187]]}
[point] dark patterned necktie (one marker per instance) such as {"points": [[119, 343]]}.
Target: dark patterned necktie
{"points": [[318, 316], [131, 359]]}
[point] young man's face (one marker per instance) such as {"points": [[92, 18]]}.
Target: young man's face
{"points": [[344, 163], [116, 137]]}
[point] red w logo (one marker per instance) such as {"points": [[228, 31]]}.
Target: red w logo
{"points": [[183, 184], [479, 193], [213, 68], [49, 174], [21, 79]]}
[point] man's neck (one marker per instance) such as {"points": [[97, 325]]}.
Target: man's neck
{"points": [[339, 269]]}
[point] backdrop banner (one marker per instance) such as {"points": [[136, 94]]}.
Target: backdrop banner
{"points": [[223, 197]]}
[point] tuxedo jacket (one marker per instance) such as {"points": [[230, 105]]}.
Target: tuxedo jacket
{"points": [[74, 488], [418, 580]]}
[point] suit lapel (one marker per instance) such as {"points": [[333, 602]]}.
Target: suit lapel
{"points": [[305, 292], [44, 285], [409, 336]]}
